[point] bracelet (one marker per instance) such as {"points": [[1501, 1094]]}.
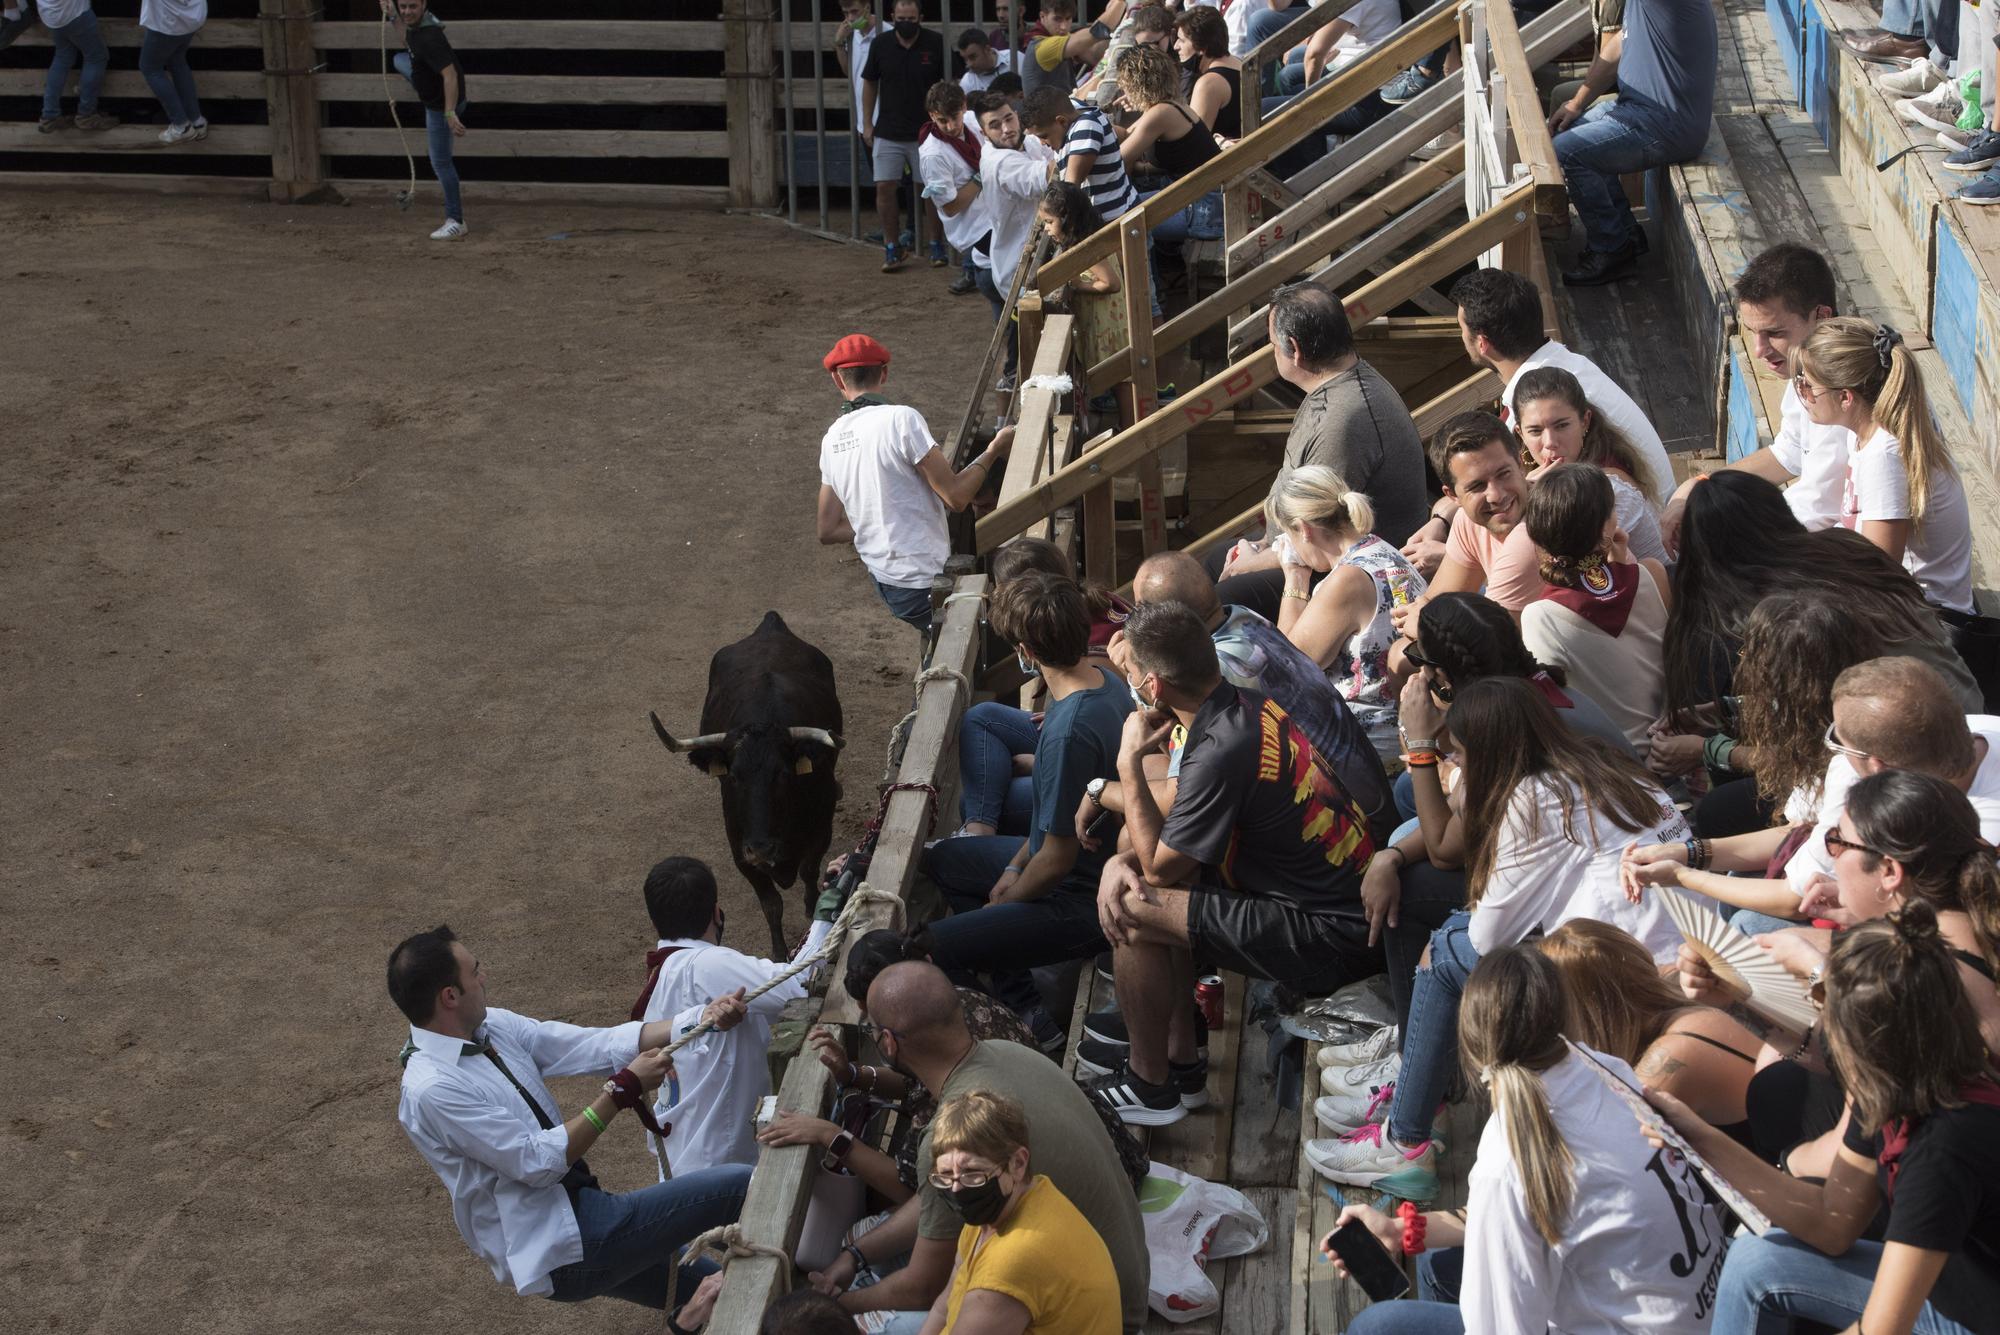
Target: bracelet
{"points": [[1415, 1225], [871, 1076], [1302, 597], [849, 1249], [1420, 744], [1715, 751], [1420, 759], [590, 1115]]}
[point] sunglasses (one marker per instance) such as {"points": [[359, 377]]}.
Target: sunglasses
{"points": [[1835, 846], [1840, 748], [1415, 657]]}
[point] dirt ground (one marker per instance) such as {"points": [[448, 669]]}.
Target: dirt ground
{"points": [[340, 570]]}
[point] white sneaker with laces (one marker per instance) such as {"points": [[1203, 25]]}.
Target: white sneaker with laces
{"points": [[1351, 1090], [452, 230], [1370, 1049], [1368, 1158], [201, 127], [1918, 79], [1939, 109], [177, 134]]}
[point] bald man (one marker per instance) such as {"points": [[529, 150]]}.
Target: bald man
{"points": [[920, 1028]]}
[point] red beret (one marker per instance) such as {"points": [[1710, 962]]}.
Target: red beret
{"points": [[856, 350]]}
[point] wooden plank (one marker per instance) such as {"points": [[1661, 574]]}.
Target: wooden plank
{"points": [[930, 757], [214, 85], [607, 193], [750, 69], [1100, 536], [1527, 123], [1256, 1289], [357, 141], [289, 104], [137, 182], [533, 89], [234, 33], [222, 141], [557, 35], [1139, 394], [1026, 460]]}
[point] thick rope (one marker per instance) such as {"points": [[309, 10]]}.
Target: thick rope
{"points": [[409, 196], [929, 674], [723, 1244]]}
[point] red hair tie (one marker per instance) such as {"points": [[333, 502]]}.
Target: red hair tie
{"points": [[1415, 1225]]}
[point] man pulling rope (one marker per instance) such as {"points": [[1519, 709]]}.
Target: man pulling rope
{"points": [[432, 68]]}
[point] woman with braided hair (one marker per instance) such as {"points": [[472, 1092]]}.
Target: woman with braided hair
{"points": [[1603, 615], [1902, 492]]}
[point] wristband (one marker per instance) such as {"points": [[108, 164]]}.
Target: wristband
{"points": [[1302, 597], [849, 1249], [1420, 743], [590, 1116], [1420, 759]]}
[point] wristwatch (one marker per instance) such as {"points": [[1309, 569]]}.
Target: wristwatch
{"points": [[1094, 790], [837, 1150]]}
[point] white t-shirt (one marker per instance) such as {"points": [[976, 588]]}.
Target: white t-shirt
{"points": [[939, 161], [1625, 673], [1616, 405], [1541, 878], [1939, 550], [869, 458], [1811, 859], [173, 18], [1373, 21], [857, 57], [1236, 18], [1639, 520], [1013, 181], [1816, 457], [974, 82], [1643, 1245], [61, 13]]}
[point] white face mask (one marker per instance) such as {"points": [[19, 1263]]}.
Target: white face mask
{"points": [[1140, 701]]}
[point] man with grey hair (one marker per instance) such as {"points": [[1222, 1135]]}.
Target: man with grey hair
{"points": [[1352, 421]]}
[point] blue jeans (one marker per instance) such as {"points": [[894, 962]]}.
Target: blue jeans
{"points": [[1430, 898], [1201, 221], [1905, 18], [1769, 1280], [1609, 141], [911, 606], [163, 60], [989, 737], [74, 42], [1265, 22], [1005, 941], [1430, 1039], [1434, 1311], [631, 1237], [438, 136], [1751, 924]]}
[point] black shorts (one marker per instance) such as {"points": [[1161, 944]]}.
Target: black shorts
{"points": [[1311, 953]]}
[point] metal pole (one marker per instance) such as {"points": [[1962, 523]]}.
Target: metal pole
{"points": [[791, 112], [819, 113]]}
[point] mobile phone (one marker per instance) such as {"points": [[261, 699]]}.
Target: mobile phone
{"points": [[1100, 824], [1368, 1262]]}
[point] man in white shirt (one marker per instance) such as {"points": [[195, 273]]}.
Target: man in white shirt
{"points": [[884, 483], [475, 1105], [1781, 297], [1500, 322], [983, 61], [948, 150], [709, 1107], [1014, 172], [858, 30]]}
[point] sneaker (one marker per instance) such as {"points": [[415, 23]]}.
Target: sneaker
{"points": [[1370, 1049], [1594, 268], [1939, 109], [201, 127], [1138, 1103], [1108, 1027], [1435, 145], [1368, 1158], [1985, 190], [177, 134], [1983, 152], [1406, 86], [937, 256], [1005, 385], [96, 121], [962, 284], [452, 230], [907, 240], [1918, 79], [12, 28], [1953, 140], [1338, 1117], [893, 257], [1350, 1091], [1049, 1036], [50, 124], [1192, 1081], [1103, 965]]}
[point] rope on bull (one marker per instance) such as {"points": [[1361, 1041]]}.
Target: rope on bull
{"points": [[406, 197]]}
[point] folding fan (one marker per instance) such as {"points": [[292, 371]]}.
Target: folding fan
{"points": [[1742, 964]]}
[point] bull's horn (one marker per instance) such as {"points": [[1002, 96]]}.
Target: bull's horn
{"points": [[667, 738], [820, 735]]}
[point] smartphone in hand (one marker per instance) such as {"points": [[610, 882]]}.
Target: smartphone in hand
{"points": [[1367, 1261]]}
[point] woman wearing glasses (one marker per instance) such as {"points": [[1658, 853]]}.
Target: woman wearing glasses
{"points": [[1027, 1259]]}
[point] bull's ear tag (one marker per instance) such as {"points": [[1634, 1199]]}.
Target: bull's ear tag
{"points": [[803, 765], [718, 768]]}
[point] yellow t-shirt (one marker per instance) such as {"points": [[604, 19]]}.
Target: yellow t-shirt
{"points": [[1047, 1258]]}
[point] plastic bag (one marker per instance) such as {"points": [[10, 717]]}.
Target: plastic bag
{"points": [[1347, 1016], [1190, 1222]]}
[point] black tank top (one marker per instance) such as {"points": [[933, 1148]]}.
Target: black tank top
{"points": [[1177, 157], [1228, 120]]}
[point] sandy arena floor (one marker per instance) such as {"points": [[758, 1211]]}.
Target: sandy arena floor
{"points": [[340, 570]]}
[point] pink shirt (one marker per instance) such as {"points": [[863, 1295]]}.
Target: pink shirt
{"points": [[1511, 566]]}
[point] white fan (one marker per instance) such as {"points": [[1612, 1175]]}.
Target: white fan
{"points": [[1742, 964]]}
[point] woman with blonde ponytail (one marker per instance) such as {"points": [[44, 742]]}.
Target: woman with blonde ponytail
{"points": [[1573, 1221], [1902, 492], [1345, 624]]}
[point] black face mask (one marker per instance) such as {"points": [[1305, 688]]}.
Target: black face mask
{"points": [[978, 1206], [719, 920], [1192, 64], [908, 28]]}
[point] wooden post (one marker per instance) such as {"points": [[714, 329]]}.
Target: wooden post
{"points": [[748, 68], [1139, 394], [291, 100]]}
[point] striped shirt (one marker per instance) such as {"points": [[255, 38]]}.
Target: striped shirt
{"points": [[1110, 188]]}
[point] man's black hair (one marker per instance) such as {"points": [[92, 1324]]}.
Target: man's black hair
{"points": [[973, 37], [862, 377], [1790, 275], [1005, 84], [680, 898], [805, 1312], [1505, 307], [1045, 106], [1315, 320], [420, 968]]}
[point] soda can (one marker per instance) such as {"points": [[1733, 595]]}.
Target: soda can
{"points": [[1208, 999]]}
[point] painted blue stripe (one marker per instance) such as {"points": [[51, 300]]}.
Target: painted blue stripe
{"points": [[1743, 435], [1784, 16], [1955, 313]]}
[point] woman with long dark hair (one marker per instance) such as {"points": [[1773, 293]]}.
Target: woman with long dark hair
{"points": [[1558, 425]]}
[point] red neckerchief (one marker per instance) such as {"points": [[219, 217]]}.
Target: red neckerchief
{"points": [[1897, 1131], [1551, 692], [1606, 607], [966, 145], [654, 959]]}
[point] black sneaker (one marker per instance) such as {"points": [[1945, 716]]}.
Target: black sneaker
{"points": [[1108, 1027], [1138, 1103], [1104, 966], [1192, 1081], [1594, 268], [1049, 1036], [1096, 1059]]}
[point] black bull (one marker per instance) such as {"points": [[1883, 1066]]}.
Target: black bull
{"points": [[770, 732]]}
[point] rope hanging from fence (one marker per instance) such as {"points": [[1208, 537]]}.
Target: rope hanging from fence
{"points": [[407, 197], [723, 1244], [929, 674]]}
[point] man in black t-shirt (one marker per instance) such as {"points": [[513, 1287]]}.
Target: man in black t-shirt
{"points": [[432, 68], [900, 69], [1256, 868]]}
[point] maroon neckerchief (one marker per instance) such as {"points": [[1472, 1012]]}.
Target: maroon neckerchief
{"points": [[654, 959], [966, 145], [1551, 692], [1896, 1132], [1607, 606]]}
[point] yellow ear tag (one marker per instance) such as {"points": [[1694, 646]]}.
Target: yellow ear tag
{"points": [[803, 765], [717, 768]]}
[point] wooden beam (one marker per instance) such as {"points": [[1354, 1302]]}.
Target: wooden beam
{"points": [[289, 104], [235, 33], [605, 193], [747, 65], [355, 141], [137, 183], [555, 35], [223, 141], [1139, 394], [216, 85], [1532, 143], [1025, 462], [1468, 395], [530, 89]]}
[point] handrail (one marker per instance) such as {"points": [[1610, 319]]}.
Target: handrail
{"points": [[1534, 146], [1301, 116], [1025, 460]]}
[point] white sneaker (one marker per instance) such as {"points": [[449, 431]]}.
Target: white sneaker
{"points": [[1939, 109], [1368, 1158], [201, 127], [1370, 1049], [1353, 1092], [177, 134], [1918, 79], [452, 230]]}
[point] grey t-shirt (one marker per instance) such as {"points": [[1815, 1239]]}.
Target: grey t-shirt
{"points": [[1068, 1143], [1356, 425], [1667, 69]]}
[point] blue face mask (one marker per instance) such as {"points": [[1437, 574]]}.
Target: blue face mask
{"points": [[1026, 664]]}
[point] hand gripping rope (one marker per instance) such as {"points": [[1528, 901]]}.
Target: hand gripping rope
{"points": [[404, 198]]}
